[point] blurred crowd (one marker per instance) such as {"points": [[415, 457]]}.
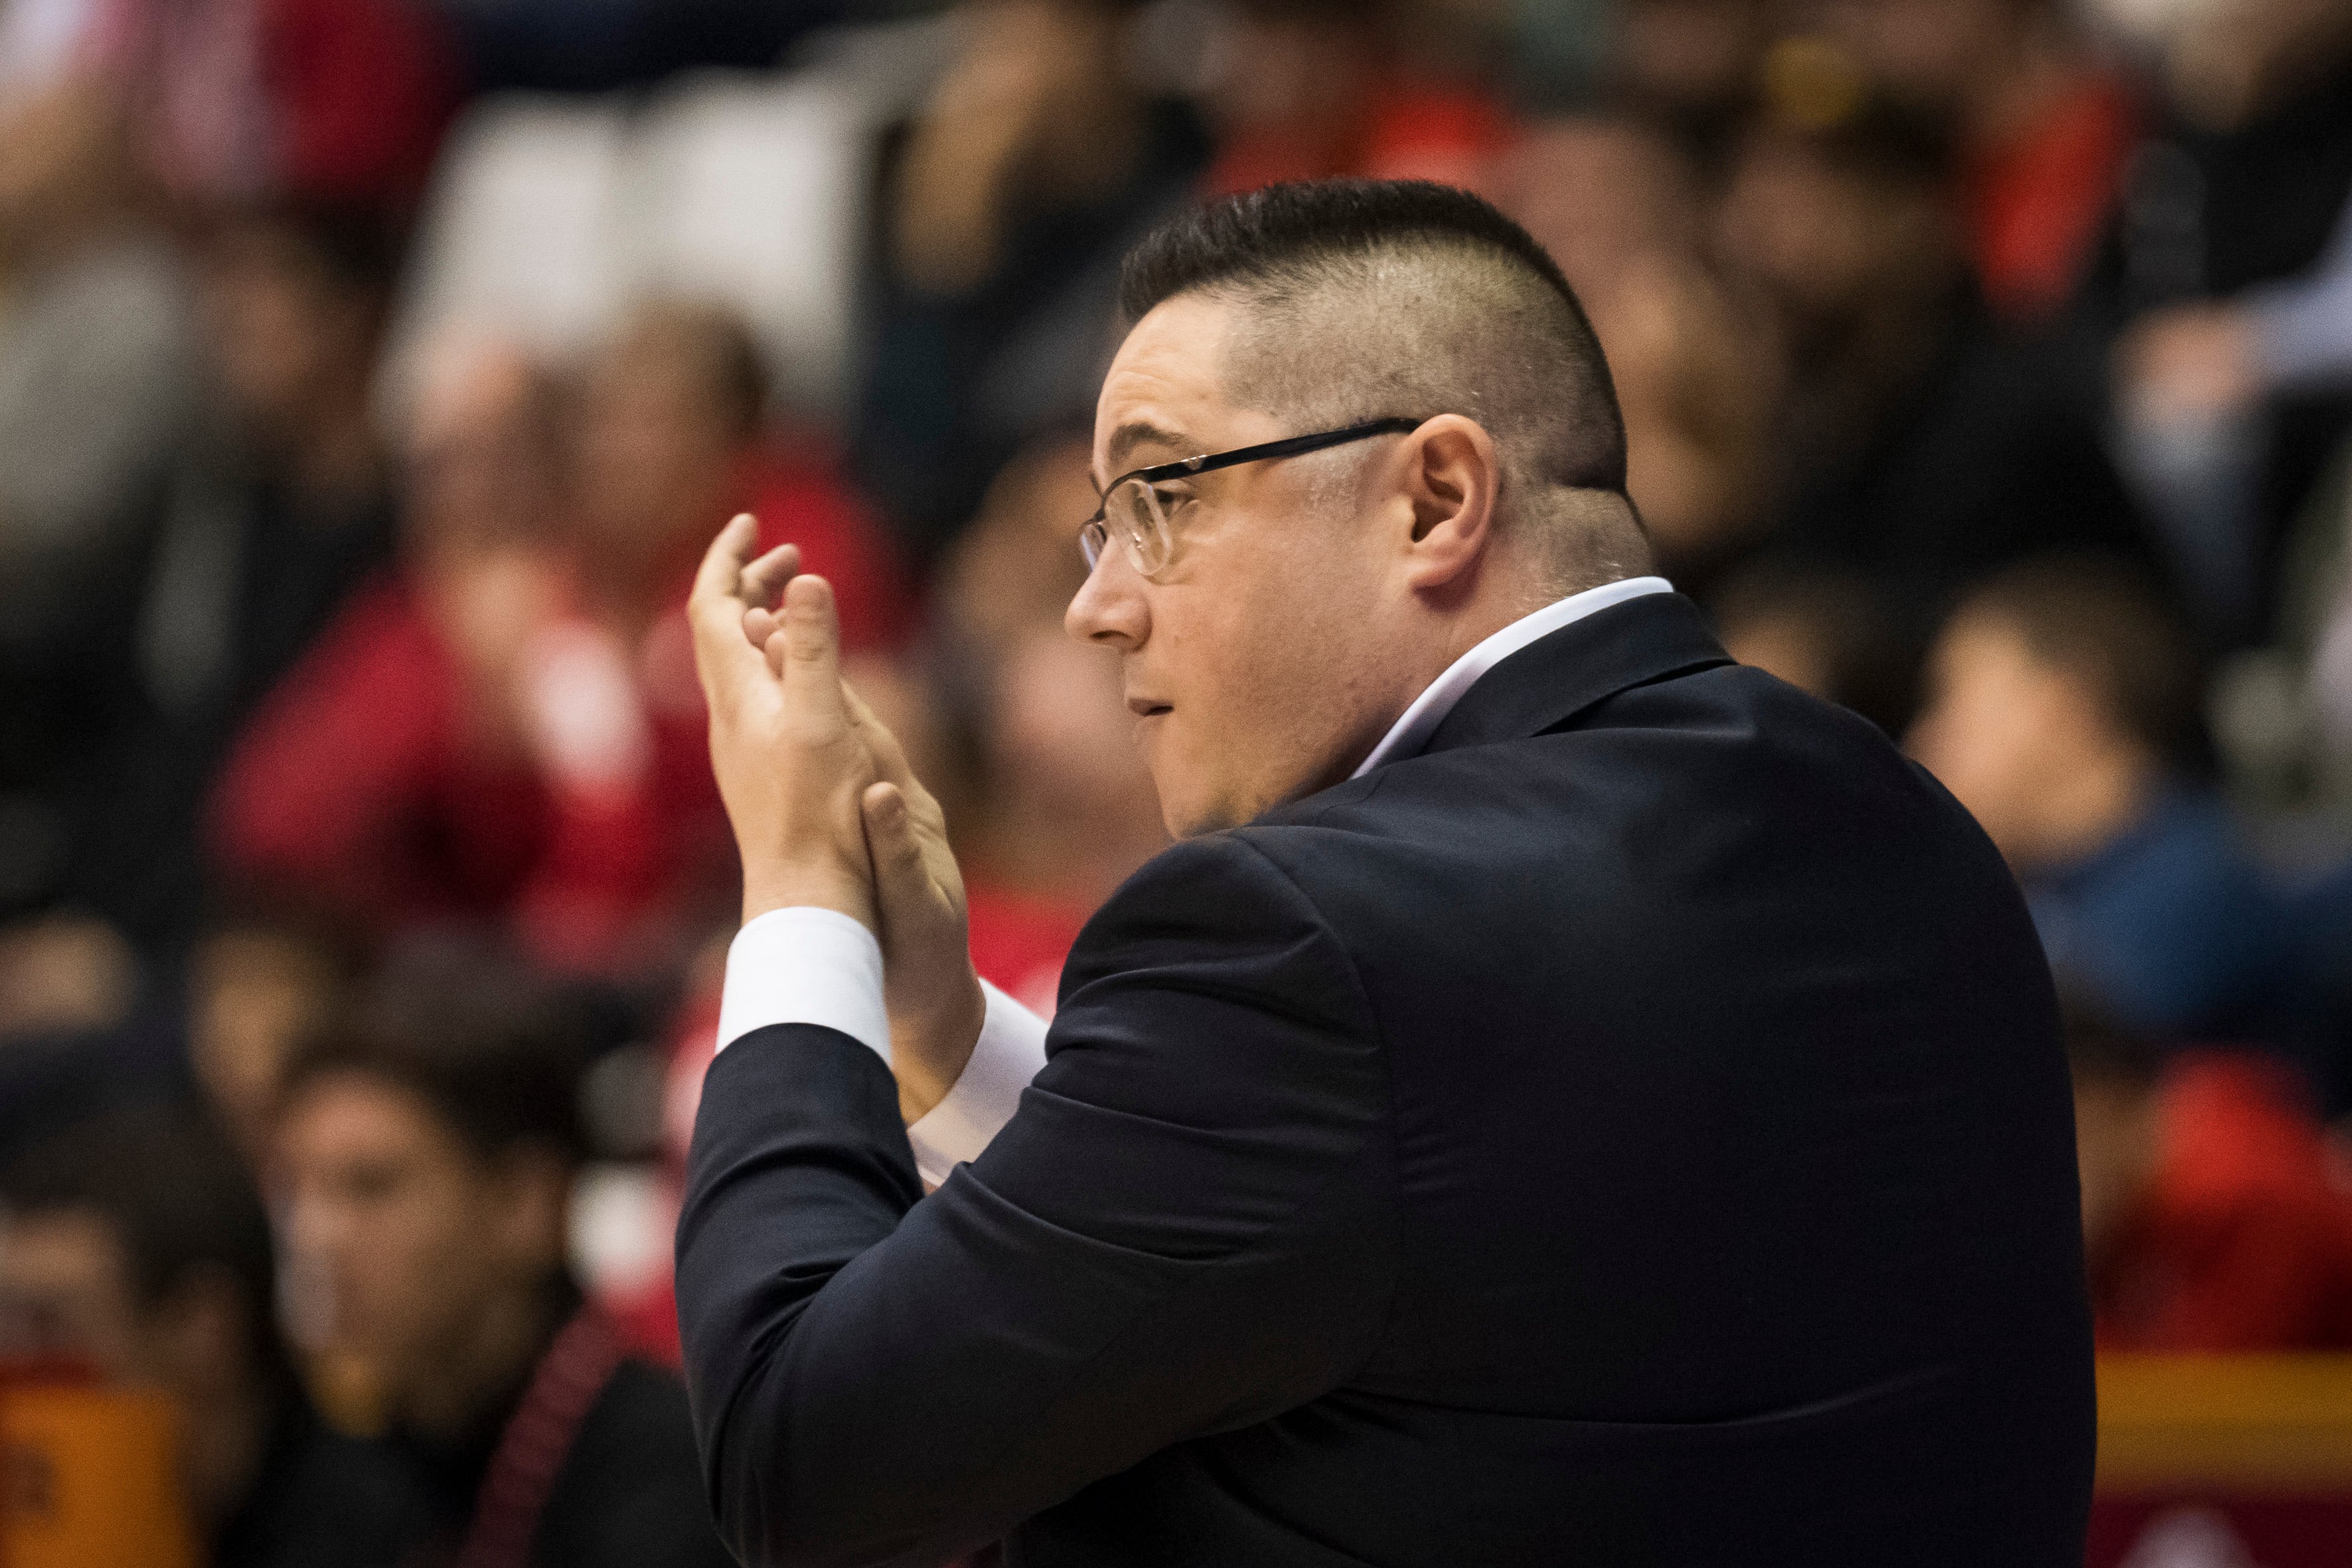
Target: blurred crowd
{"points": [[374, 371]]}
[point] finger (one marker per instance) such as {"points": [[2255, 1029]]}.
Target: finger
{"points": [[714, 612], [765, 578], [902, 879], [720, 575], [761, 625], [811, 636]]}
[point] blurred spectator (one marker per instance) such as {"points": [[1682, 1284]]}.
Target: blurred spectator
{"points": [[1319, 90], [2293, 335], [2063, 710], [1689, 64], [62, 975], [382, 781], [511, 727], [2214, 1214], [94, 390], [81, 1030], [335, 99], [2042, 128], [2225, 412], [2195, 384], [1621, 209], [1921, 446], [670, 442], [428, 1155], [257, 989], [136, 1249], [1037, 161], [278, 507], [1820, 629]]}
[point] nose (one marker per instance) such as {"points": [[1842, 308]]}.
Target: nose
{"points": [[1108, 608]]}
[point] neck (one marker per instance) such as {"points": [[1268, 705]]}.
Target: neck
{"points": [[489, 1358]]}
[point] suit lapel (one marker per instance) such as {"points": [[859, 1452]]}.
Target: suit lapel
{"points": [[1551, 681]]}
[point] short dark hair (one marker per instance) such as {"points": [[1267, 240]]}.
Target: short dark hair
{"points": [[167, 1185], [1281, 235], [494, 1051], [2104, 621], [1279, 246]]}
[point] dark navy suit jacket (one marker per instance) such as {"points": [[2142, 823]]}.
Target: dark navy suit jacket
{"points": [[1630, 1131]]}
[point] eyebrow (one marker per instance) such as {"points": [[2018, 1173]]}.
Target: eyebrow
{"points": [[1136, 432]]}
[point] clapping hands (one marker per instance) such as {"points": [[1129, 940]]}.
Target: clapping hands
{"points": [[824, 808]]}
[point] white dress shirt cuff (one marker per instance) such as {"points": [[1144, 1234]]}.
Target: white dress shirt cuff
{"points": [[1009, 1053], [805, 966]]}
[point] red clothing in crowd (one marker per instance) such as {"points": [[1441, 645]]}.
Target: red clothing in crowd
{"points": [[841, 541], [358, 786], [1020, 942], [2037, 202], [2243, 1238], [1404, 130], [338, 100], [377, 784]]}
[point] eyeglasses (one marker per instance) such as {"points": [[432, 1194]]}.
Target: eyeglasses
{"points": [[1134, 511]]}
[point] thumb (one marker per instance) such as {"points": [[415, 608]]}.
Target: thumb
{"points": [[812, 649], [902, 881]]}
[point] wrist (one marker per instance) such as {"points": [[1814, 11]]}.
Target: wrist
{"points": [[787, 887], [931, 1046]]}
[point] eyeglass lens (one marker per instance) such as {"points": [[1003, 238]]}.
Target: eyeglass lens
{"points": [[1132, 515]]}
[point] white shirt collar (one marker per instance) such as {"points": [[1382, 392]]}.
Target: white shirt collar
{"points": [[1430, 709]]}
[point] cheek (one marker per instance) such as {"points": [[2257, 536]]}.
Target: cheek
{"points": [[416, 1265]]}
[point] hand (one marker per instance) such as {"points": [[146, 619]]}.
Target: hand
{"points": [[929, 986], [2191, 361], [928, 983], [792, 768]]}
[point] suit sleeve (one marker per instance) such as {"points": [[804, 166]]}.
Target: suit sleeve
{"points": [[1185, 1228]]}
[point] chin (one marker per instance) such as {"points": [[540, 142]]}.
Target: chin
{"points": [[1190, 813], [1187, 822]]}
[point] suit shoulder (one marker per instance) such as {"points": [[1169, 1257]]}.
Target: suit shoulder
{"points": [[1216, 913], [1220, 885]]}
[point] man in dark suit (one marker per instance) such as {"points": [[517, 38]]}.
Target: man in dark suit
{"points": [[1566, 1098]]}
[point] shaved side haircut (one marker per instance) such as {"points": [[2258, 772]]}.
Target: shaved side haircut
{"points": [[1377, 298]]}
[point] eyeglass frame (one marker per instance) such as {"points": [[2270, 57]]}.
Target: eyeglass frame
{"points": [[1207, 462]]}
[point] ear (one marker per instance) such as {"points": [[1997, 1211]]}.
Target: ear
{"points": [[1450, 479]]}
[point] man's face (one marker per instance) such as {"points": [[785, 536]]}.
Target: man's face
{"points": [[279, 329], [1260, 664], [653, 451], [406, 1227], [1826, 244]]}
